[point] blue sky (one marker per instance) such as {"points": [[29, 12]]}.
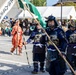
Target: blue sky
{"points": [[51, 2]]}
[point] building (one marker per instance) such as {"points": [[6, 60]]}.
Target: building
{"points": [[66, 1], [59, 1]]}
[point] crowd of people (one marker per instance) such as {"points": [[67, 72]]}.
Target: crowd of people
{"points": [[63, 35], [26, 25], [6, 26]]}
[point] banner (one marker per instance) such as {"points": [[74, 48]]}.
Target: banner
{"points": [[6, 7], [34, 10]]}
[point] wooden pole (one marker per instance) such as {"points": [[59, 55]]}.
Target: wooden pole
{"points": [[61, 11]]}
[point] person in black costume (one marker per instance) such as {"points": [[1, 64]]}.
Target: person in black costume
{"points": [[55, 65]]}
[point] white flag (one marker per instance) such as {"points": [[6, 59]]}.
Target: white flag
{"points": [[6, 7]]}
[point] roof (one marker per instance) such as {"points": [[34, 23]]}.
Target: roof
{"points": [[26, 14], [66, 1], [56, 11], [42, 9]]}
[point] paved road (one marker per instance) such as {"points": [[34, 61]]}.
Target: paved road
{"points": [[15, 64]]}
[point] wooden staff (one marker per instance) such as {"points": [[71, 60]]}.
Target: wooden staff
{"points": [[26, 53], [17, 39]]}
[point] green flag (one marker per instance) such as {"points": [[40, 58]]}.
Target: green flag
{"points": [[21, 4], [34, 10]]}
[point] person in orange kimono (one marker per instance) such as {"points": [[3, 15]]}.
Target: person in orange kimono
{"points": [[17, 37], [0, 31]]}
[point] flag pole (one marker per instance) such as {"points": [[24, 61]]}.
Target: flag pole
{"points": [[25, 45], [17, 4], [17, 31], [17, 42], [51, 41]]}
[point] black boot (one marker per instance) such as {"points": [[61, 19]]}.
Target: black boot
{"points": [[42, 66], [35, 71]]}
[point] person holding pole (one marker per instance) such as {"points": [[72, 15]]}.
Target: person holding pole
{"points": [[55, 65], [17, 37], [39, 48]]}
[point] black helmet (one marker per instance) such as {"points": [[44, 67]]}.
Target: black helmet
{"points": [[50, 18], [72, 24]]}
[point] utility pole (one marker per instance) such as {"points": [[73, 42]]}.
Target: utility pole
{"points": [[61, 11]]}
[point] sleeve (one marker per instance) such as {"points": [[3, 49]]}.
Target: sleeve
{"points": [[31, 37], [47, 31], [14, 31], [63, 41], [67, 35]]}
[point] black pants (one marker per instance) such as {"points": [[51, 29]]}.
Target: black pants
{"points": [[72, 61], [57, 67], [38, 57]]}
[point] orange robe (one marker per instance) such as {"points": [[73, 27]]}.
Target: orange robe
{"points": [[17, 37], [0, 32]]}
